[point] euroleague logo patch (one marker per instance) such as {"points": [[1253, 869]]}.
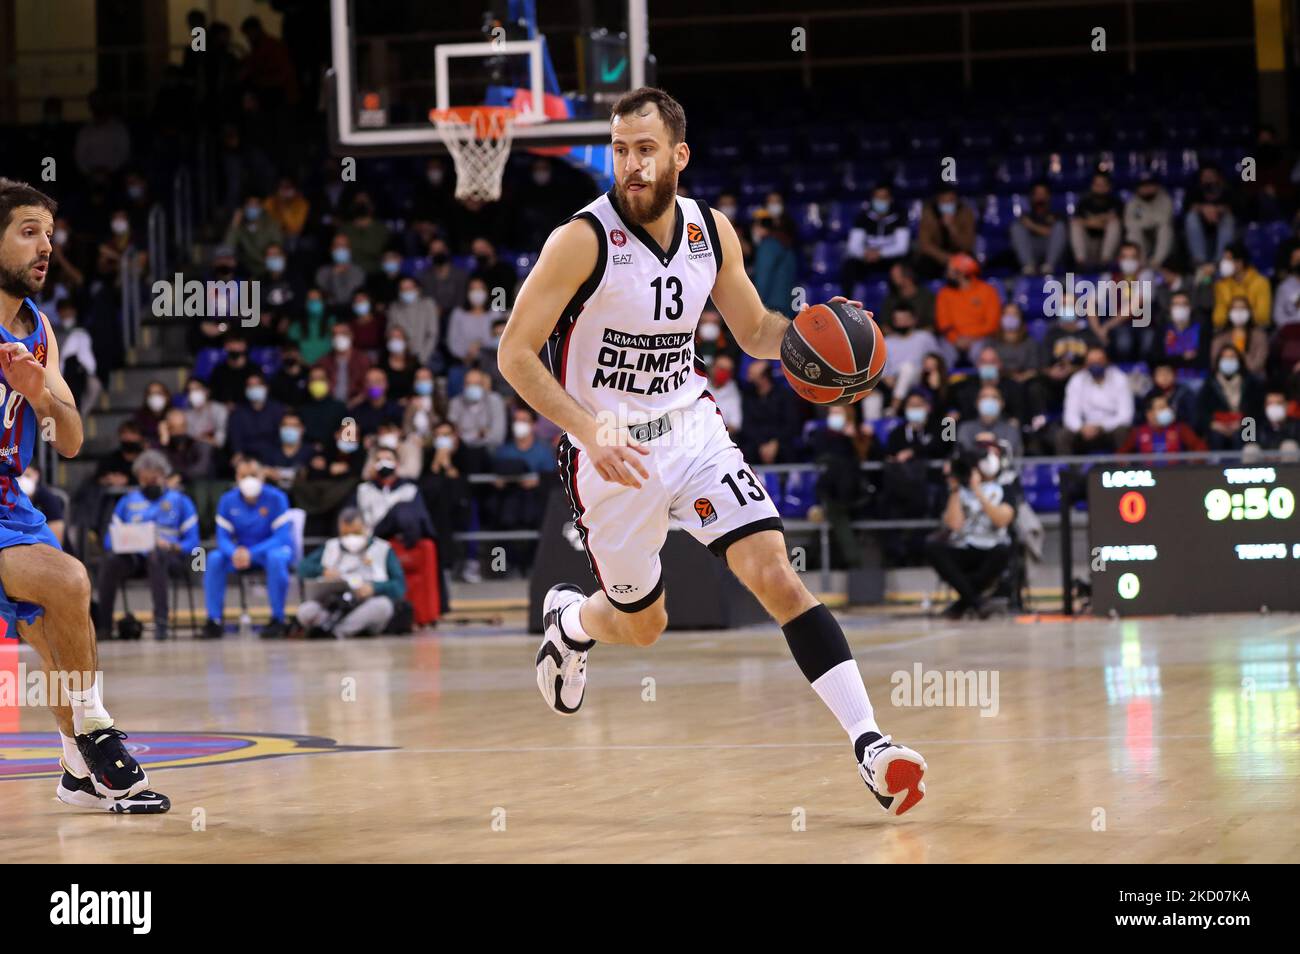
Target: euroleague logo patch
{"points": [[695, 238], [618, 237], [704, 507], [39, 353]]}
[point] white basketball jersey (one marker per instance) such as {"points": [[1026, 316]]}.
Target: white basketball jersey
{"points": [[625, 344]]}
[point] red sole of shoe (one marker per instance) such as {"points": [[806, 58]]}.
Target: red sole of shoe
{"points": [[904, 775]]}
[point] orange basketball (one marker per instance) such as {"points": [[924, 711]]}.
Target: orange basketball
{"points": [[833, 353]]}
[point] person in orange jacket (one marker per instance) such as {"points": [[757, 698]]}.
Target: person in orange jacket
{"points": [[968, 310]]}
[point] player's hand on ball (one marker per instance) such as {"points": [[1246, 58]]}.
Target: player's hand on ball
{"points": [[618, 463], [23, 372], [855, 304]]}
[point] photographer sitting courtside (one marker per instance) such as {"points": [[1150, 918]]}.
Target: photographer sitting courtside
{"points": [[370, 582], [977, 544]]}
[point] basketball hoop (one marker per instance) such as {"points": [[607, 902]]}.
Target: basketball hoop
{"points": [[478, 138]]}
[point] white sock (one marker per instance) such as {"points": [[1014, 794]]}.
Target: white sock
{"points": [[571, 621], [72, 757], [844, 693], [88, 712]]}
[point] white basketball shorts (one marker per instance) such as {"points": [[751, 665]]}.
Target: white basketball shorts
{"points": [[698, 482]]}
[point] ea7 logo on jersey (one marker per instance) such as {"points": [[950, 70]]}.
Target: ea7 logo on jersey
{"points": [[704, 507], [695, 239], [625, 259]]}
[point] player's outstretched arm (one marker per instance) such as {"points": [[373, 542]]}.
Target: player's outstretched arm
{"points": [[46, 391], [567, 260], [756, 329]]}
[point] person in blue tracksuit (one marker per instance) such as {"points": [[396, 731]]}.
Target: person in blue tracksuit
{"points": [[253, 529], [176, 535]]}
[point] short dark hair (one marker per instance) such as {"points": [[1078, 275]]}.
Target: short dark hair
{"points": [[670, 111], [14, 194]]}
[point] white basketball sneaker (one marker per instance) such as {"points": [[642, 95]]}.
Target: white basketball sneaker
{"points": [[893, 772], [561, 661]]}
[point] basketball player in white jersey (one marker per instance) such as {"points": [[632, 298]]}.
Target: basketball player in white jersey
{"points": [[615, 296]]}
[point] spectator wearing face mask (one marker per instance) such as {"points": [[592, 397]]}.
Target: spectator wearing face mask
{"points": [[774, 264], [77, 356], [1250, 340], [292, 452], [376, 406], [229, 378], [1039, 236], [1149, 222], [1095, 229], [320, 411], [384, 488], [976, 547], [372, 572], [1164, 383], [1229, 395], [409, 451], [341, 278], [383, 286], [1161, 432], [345, 366], [150, 413], [444, 281], [255, 421], [1278, 430], [479, 415], [1239, 279], [1183, 338], [1019, 353], [947, 228], [966, 311], [253, 529], [1098, 408], [1066, 345], [905, 291], [282, 291], [489, 362], [772, 424], [176, 535], [494, 272], [711, 337], [1209, 224], [251, 233], [519, 504], [1124, 323], [906, 346], [989, 371], [1286, 300], [367, 326], [726, 393], [47, 502], [989, 418], [415, 314], [191, 460], [205, 419], [446, 488], [421, 413], [311, 329], [879, 239], [470, 328], [398, 363], [289, 382], [908, 486]]}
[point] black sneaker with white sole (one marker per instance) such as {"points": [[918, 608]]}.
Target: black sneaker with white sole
{"points": [[113, 770], [561, 661], [80, 792]]}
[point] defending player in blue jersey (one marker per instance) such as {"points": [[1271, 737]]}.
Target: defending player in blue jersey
{"points": [[44, 592], [254, 528]]}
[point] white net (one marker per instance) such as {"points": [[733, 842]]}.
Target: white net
{"points": [[479, 143]]}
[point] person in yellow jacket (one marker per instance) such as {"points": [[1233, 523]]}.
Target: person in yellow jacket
{"points": [[1239, 279]]}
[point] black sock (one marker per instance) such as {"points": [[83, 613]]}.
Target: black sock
{"points": [[816, 641]]}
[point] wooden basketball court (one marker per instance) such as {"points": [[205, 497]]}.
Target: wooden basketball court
{"points": [[1150, 740]]}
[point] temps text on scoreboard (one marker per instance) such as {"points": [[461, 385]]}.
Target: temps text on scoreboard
{"points": [[1194, 539]]}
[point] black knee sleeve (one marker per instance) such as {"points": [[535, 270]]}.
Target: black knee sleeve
{"points": [[816, 641]]}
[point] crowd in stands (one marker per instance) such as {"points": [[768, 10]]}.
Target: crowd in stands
{"points": [[383, 300]]}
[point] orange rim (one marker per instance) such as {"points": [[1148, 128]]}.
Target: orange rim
{"points": [[489, 121]]}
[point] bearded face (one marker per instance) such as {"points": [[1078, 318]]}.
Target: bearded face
{"points": [[645, 200], [25, 252]]}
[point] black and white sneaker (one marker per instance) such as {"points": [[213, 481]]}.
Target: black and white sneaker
{"points": [[113, 770], [893, 772], [80, 792], [561, 661]]}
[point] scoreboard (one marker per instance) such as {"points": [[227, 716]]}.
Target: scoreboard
{"points": [[1194, 539]]}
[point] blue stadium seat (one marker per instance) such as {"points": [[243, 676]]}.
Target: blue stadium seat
{"points": [[774, 147], [1016, 173], [809, 221], [861, 177], [524, 263], [821, 291], [798, 495], [1027, 133], [915, 176], [757, 183], [1001, 210], [206, 361], [1042, 490], [883, 427], [874, 139], [810, 184], [975, 135], [266, 358], [839, 217], [923, 135], [824, 258], [872, 293]]}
